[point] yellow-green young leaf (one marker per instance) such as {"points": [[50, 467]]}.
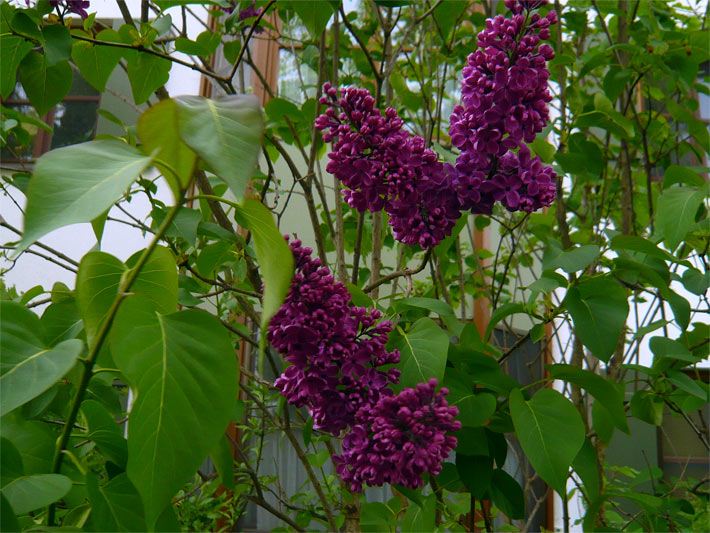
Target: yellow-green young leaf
{"points": [[272, 252], [28, 367], [45, 85], [147, 73], [550, 431], [599, 309], [184, 371], [226, 133], [97, 62], [100, 275], [28, 493], [158, 131], [423, 352], [77, 184]]}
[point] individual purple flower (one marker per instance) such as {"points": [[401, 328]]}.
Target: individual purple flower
{"points": [[78, 7], [504, 104], [335, 350], [399, 438], [384, 167]]}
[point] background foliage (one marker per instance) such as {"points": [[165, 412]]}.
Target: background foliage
{"points": [[617, 264]]}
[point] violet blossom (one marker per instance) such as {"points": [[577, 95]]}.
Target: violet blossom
{"points": [[78, 7], [399, 439], [335, 349], [384, 167], [504, 105]]}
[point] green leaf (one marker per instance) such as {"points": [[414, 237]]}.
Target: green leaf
{"points": [[447, 13], [550, 431], [420, 517], [27, 366], [147, 73], [601, 422], [664, 348], [689, 385], [676, 213], [585, 464], [507, 494], [574, 259], [599, 309], [189, 47], [28, 493], [115, 506], [314, 14], [423, 353], [476, 472], [226, 133], [431, 304], [14, 49], [33, 439], [8, 520], [223, 461], [184, 369], [105, 432], [45, 85], [77, 184], [603, 390], [647, 406], [100, 275], [158, 131], [10, 462], [97, 62], [501, 313], [272, 252], [639, 244], [677, 174], [475, 408], [57, 43]]}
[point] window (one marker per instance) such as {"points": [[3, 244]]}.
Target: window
{"points": [[73, 121]]}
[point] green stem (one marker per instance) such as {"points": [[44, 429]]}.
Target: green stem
{"points": [[88, 363]]}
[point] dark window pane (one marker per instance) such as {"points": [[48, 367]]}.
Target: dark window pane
{"points": [[74, 122]]}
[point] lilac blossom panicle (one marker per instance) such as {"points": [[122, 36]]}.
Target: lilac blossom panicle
{"points": [[384, 167], [335, 349], [504, 105], [78, 7], [251, 11], [399, 438]]}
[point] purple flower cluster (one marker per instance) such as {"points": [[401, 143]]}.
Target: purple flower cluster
{"points": [[337, 352], [251, 11], [504, 105], [78, 7], [384, 167], [399, 438], [335, 349]]}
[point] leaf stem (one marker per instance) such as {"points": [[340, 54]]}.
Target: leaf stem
{"points": [[88, 363]]}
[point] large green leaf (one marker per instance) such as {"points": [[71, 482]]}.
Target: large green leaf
{"points": [[507, 494], [676, 213], [97, 62], [8, 520], [475, 408], [314, 14], [115, 506], [105, 432], [11, 466], [33, 439], [550, 431], [184, 370], [28, 493], [158, 131], [423, 352], [14, 49], [56, 43], [599, 309], [575, 259], [585, 464], [27, 366], [45, 85], [504, 311], [147, 73], [225, 133], [77, 184], [603, 390], [272, 252]]}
